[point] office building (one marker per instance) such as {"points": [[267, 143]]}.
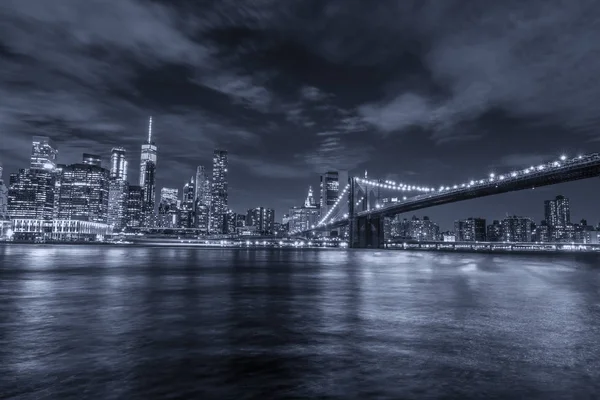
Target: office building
{"points": [[148, 161], [302, 218], [168, 211], [118, 192], [424, 229], [230, 222], [516, 229], [542, 233], [557, 214], [201, 217], [118, 189], [134, 207], [4, 217], [470, 230], [118, 164], [203, 192], [261, 218], [43, 154], [219, 202], [84, 192], [31, 194], [186, 211]]}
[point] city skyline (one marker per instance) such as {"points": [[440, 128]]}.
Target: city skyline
{"points": [[447, 101]]}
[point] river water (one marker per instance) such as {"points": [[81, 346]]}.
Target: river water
{"points": [[183, 323]]}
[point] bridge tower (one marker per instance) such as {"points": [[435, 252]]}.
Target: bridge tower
{"points": [[366, 231]]}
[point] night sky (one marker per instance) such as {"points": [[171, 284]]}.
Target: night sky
{"points": [[424, 92]]}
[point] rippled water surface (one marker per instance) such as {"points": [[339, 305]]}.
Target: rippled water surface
{"points": [[181, 323]]}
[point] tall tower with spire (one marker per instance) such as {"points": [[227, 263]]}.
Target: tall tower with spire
{"points": [[148, 177]]}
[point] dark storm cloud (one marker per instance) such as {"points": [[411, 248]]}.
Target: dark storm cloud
{"points": [[294, 88]]}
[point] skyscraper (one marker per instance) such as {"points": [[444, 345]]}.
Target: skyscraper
{"points": [[148, 177], [3, 197], [84, 192], [167, 208], [92, 159], [219, 203], [118, 189], [118, 164], [261, 218], [330, 187], [557, 214], [203, 192], [31, 194], [134, 207], [43, 154], [186, 213]]}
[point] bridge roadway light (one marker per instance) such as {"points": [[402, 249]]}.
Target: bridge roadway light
{"points": [[563, 157]]}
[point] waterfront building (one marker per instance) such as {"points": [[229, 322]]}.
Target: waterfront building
{"points": [[424, 229], [542, 233], [494, 231], [557, 214], [470, 230], [84, 191], [118, 189], [31, 194], [231, 221], [516, 229], [201, 217], [219, 201], [262, 218], [148, 161]]}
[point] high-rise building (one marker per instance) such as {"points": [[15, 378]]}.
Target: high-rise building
{"points": [[135, 207], [118, 164], [329, 187], [186, 212], [557, 212], [201, 216], [148, 177], [542, 233], [494, 231], [219, 201], [424, 229], [303, 218], [231, 220], [43, 154], [5, 223], [31, 194], [261, 218], [470, 230], [203, 192], [118, 190], [3, 197], [84, 192], [167, 208], [516, 229]]}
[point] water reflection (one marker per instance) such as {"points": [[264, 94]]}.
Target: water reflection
{"points": [[197, 323]]}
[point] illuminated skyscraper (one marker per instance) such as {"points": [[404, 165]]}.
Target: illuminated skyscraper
{"points": [[470, 230], [118, 189], [148, 177], [134, 207], [167, 208], [186, 213], [3, 198], [203, 192], [43, 154], [118, 164], [516, 229], [84, 192], [219, 203], [262, 218]]}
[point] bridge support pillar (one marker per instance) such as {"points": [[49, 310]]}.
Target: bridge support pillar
{"points": [[367, 232]]}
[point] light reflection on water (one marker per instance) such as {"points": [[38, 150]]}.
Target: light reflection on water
{"points": [[135, 322]]}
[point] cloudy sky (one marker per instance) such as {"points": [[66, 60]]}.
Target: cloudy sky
{"points": [[427, 92]]}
